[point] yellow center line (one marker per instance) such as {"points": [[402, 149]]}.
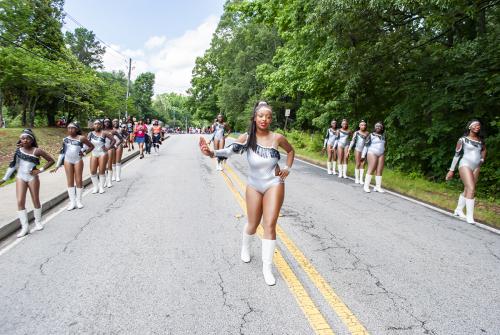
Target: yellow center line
{"points": [[316, 319], [346, 315]]}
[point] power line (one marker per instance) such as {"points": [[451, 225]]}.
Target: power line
{"points": [[97, 37]]}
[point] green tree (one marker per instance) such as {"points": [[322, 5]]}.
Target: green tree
{"points": [[85, 47], [142, 93]]}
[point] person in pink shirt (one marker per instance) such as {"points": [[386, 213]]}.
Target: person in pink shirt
{"points": [[140, 135]]}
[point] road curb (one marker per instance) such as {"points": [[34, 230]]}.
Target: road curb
{"points": [[14, 225]]}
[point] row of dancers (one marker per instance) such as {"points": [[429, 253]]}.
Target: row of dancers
{"points": [[105, 143], [339, 142]]}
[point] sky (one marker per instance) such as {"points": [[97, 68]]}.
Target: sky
{"points": [[161, 36]]}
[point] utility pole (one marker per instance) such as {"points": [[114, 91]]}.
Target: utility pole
{"points": [[128, 87]]}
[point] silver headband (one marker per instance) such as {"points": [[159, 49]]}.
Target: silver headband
{"points": [[473, 124]]}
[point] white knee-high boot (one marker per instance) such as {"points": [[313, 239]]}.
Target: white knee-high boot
{"points": [[361, 172], [378, 184], [334, 167], [469, 204], [38, 219], [245, 245], [102, 180], [344, 171], [23, 218], [329, 167], [78, 198], [113, 175], [340, 169], [268, 247], [71, 195], [368, 180], [108, 178], [118, 171], [459, 211], [356, 176], [95, 183]]}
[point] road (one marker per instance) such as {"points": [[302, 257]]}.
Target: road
{"points": [[159, 254]]}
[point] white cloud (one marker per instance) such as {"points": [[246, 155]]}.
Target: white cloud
{"points": [[172, 60], [155, 42]]}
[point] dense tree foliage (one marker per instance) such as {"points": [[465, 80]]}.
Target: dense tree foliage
{"points": [[173, 109], [44, 75], [423, 67]]}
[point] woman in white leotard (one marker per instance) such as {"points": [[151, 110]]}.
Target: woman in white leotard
{"points": [[358, 143], [266, 189], [220, 131], [343, 135], [330, 145], [374, 151], [70, 156], [25, 161], [470, 154], [99, 157], [111, 164]]}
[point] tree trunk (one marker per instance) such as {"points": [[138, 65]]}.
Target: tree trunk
{"points": [[33, 102], [25, 106], [1, 110]]}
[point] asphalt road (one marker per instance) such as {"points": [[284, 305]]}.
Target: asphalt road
{"points": [[159, 254]]}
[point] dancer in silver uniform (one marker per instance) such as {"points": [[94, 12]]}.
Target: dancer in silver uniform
{"points": [[470, 153], [120, 135], [358, 143], [266, 189], [109, 129], [70, 156], [220, 132], [374, 151], [25, 161], [99, 157], [329, 144], [342, 144]]}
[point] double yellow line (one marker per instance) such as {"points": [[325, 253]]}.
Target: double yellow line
{"points": [[309, 308]]}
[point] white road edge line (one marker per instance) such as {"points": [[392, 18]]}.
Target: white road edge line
{"points": [[51, 217], [437, 209]]}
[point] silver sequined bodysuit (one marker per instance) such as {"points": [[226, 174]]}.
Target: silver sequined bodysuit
{"points": [[71, 150], [343, 139], [219, 131], [330, 137], [262, 165], [358, 141], [375, 144], [468, 153], [24, 163], [99, 143]]}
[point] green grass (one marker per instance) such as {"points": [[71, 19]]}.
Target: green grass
{"points": [[49, 139], [443, 195]]}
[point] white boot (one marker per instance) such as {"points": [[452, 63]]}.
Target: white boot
{"points": [[334, 167], [78, 198], [38, 219], [102, 180], [108, 178], [361, 172], [459, 211], [23, 218], [344, 171], [245, 245], [71, 194], [356, 176], [118, 172], [113, 174], [469, 205], [340, 166], [95, 183], [378, 184], [268, 247], [368, 180], [329, 167]]}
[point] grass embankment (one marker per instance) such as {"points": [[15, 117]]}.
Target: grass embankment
{"points": [[443, 195], [49, 139]]}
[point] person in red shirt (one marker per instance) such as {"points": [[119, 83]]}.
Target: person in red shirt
{"points": [[140, 136]]}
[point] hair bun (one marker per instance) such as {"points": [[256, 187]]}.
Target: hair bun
{"points": [[262, 103]]}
